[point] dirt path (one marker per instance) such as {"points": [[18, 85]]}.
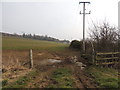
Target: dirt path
{"points": [[84, 79], [46, 63], [43, 79], [81, 79]]}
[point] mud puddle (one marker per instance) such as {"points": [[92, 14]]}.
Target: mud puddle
{"points": [[50, 61]]}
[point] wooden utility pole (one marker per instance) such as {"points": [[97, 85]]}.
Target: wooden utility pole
{"points": [[84, 13]]}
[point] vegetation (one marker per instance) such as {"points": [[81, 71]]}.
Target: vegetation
{"points": [[76, 44], [62, 78], [105, 77], [105, 37], [4, 82], [19, 43], [22, 81], [36, 37]]}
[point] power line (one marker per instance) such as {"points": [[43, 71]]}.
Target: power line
{"points": [[84, 13]]}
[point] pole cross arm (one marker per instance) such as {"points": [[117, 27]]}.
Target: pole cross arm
{"points": [[85, 13], [84, 2]]}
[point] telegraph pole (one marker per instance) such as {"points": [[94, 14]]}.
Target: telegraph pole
{"points": [[84, 13]]}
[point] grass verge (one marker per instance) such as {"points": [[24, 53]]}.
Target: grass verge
{"points": [[105, 77], [62, 78], [22, 81]]}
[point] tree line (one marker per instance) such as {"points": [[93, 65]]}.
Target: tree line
{"points": [[36, 37], [47, 38]]}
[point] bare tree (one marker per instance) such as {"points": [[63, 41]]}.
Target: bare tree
{"points": [[104, 35]]}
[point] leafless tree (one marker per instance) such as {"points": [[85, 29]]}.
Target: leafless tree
{"points": [[105, 36]]}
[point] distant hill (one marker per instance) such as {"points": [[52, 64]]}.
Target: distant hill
{"points": [[36, 37]]}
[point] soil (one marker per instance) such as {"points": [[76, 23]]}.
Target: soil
{"points": [[15, 63]]}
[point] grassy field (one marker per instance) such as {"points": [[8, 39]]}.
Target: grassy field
{"points": [[17, 43]]}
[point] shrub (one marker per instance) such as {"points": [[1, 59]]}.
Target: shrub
{"points": [[4, 82], [76, 44]]}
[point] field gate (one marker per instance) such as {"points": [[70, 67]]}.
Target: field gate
{"points": [[109, 58]]}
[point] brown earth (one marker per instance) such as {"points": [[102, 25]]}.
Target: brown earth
{"points": [[15, 64]]}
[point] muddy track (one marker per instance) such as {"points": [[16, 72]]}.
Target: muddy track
{"points": [[43, 79], [82, 80], [85, 81]]}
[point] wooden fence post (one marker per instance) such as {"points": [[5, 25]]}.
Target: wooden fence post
{"points": [[31, 59], [93, 53]]}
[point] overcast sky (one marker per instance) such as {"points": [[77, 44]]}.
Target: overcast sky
{"points": [[56, 18]]}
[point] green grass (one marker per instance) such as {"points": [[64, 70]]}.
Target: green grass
{"points": [[22, 81], [19, 43], [4, 82], [105, 77], [62, 78]]}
